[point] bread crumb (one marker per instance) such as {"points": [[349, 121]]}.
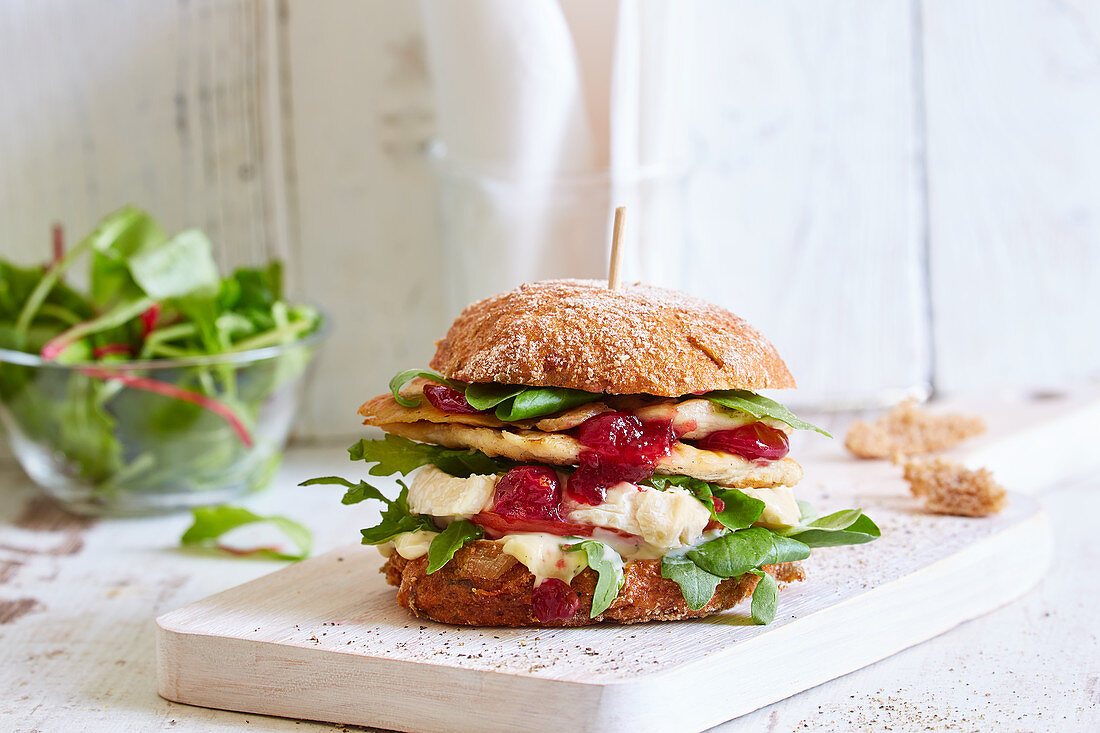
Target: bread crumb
{"points": [[909, 430], [951, 488]]}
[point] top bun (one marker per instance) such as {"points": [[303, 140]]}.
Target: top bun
{"points": [[581, 334]]}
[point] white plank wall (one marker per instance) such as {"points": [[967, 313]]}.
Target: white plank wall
{"points": [[807, 205], [163, 104], [839, 152], [1013, 92]]}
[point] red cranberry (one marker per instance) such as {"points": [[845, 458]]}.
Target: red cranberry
{"points": [[530, 492], [554, 600], [497, 526], [623, 448], [448, 400], [756, 441]]}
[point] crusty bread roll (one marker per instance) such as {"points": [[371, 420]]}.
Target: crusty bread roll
{"points": [[636, 340]]}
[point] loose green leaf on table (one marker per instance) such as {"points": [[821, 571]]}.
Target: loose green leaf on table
{"points": [[212, 522]]}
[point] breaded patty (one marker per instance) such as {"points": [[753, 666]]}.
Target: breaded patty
{"points": [[482, 586]]}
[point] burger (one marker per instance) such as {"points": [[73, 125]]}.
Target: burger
{"points": [[580, 454]]}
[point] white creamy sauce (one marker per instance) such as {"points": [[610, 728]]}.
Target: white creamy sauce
{"points": [[412, 545], [542, 554]]}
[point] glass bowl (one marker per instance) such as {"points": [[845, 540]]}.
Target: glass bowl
{"points": [[133, 438]]}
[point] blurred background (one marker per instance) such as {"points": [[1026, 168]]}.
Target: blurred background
{"points": [[904, 196]]}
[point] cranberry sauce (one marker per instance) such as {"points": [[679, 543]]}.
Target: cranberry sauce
{"points": [[448, 400], [496, 526], [528, 492], [620, 447], [756, 442], [554, 600]]}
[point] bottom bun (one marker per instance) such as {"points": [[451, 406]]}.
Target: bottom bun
{"points": [[482, 586]]}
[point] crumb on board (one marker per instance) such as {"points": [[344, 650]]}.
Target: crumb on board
{"points": [[910, 430], [951, 488]]}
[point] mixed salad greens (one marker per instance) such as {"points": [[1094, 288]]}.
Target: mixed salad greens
{"points": [[150, 298]]}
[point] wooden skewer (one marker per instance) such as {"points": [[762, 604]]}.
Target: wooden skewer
{"points": [[614, 277]]}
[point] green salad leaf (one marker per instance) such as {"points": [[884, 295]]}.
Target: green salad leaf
{"points": [[848, 527], [765, 598], [608, 565], [758, 406], [487, 395], [212, 522], [736, 553], [696, 584], [535, 402], [393, 454], [445, 544]]}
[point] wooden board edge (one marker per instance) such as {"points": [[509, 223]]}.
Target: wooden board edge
{"points": [[706, 698]]}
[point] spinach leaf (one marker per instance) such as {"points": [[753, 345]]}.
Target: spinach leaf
{"points": [[181, 267], [765, 599], [758, 406], [739, 552], [211, 522], [608, 565], [114, 242], [486, 396], [696, 584], [393, 454], [535, 402], [402, 378], [451, 540], [848, 527]]}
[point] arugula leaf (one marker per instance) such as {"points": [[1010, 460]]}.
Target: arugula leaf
{"points": [[696, 584], [397, 519], [765, 598], [535, 402], [608, 565], [739, 552], [355, 493], [740, 509], [394, 454], [758, 406], [402, 378], [451, 540], [848, 527], [211, 522]]}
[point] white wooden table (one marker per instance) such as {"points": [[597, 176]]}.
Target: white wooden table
{"points": [[78, 598]]}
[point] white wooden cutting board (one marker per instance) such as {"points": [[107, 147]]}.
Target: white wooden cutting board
{"points": [[325, 640]]}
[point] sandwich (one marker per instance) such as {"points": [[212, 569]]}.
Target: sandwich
{"points": [[579, 454]]}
